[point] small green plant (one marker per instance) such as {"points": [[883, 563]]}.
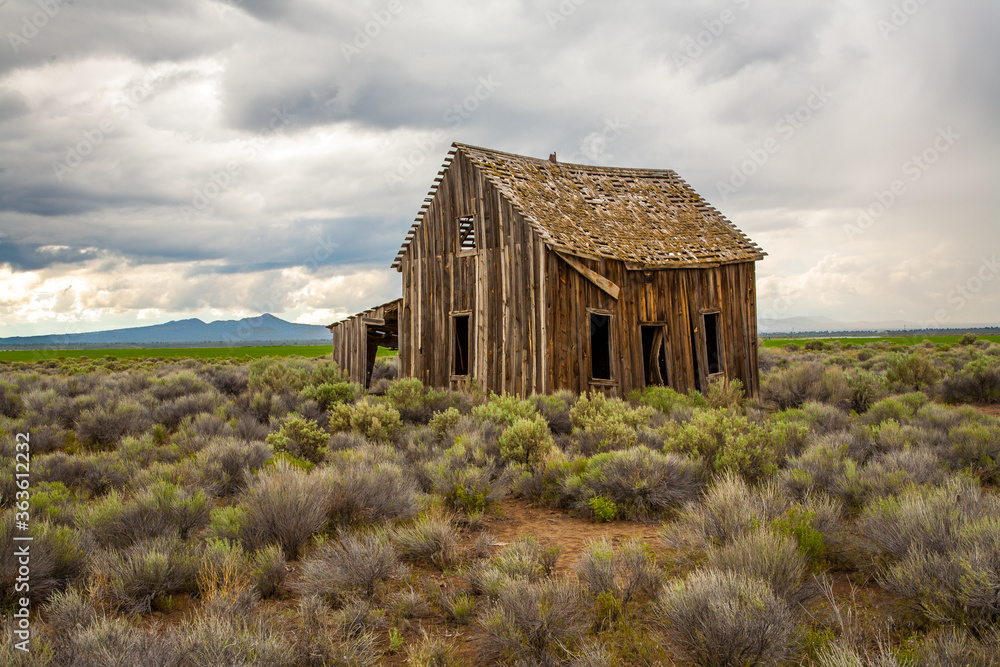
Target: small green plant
{"points": [[526, 441], [603, 509], [396, 640], [797, 524], [300, 437], [375, 421]]}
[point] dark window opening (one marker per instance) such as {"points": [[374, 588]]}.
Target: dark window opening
{"points": [[600, 346], [654, 355], [466, 233], [712, 343], [460, 346], [695, 357]]}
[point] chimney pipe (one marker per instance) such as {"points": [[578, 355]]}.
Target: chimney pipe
{"points": [[552, 158]]}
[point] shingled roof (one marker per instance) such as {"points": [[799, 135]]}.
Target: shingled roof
{"points": [[648, 218]]}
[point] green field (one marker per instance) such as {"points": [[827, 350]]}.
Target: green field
{"points": [[179, 353], [899, 340]]}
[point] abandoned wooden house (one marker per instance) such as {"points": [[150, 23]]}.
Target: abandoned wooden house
{"points": [[532, 276]]}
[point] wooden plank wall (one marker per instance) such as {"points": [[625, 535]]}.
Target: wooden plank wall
{"points": [[529, 320], [350, 341], [500, 285], [675, 297]]}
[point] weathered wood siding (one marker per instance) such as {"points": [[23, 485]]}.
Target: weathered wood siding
{"points": [[500, 285], [350, 340], [675, 298], [530, 330]]}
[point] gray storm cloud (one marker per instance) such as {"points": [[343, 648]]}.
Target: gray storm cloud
{"points": [[171, 159]]}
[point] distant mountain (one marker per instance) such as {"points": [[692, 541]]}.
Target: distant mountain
{"points": [[823, 324], [248, 331], [800, 325]]}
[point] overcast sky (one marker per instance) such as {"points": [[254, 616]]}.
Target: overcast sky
{"points": [[165, 159]]}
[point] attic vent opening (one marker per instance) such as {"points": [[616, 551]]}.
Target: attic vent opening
{"points": [[466, 233]]}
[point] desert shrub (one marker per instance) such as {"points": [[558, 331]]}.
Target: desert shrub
{"points": [[504, 410], [302, 438], [348, 564], [977, 382], [268, 570], [68, 610], [58, 555], [954, 646], [429, 538], [171, 413], [53, 501], [526, 441], [729, 619], [893, 472], [431, 652], [763, 554], [143, 451], [132, 580], [524, 559], [410, 398], [228, 380], [375, 421], [956, 582], [110, 641], [160, 509], [227, 523], [643, 484], [886, 409], [174, 386], [866, 388], [107, 423], [791, 387], [327, 395], [211, 637], [468, 479], [603, 509], [248, 428], [532, 623], [284, 506], [729, 509], [819, 418], [610, 420], [926, 519], [95, 474], [224, 575], [629, 573], [11, 404], [666, 400], [554, 409], [976, 447], [227, 465], [725, 394], [444, 421], [275, 375], [356, 491], [729, 442], [910, 371]]}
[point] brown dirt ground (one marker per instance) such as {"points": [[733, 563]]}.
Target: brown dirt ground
{"points": [[992, 410], [551, 527]]}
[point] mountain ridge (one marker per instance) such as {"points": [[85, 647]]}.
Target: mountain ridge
{"points": [[265, 328]]}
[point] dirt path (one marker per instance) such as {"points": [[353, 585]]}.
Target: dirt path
{"points": [[991, 410], [571, 534]]}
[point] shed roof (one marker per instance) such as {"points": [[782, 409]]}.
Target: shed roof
{"points": [[645, 217]]}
